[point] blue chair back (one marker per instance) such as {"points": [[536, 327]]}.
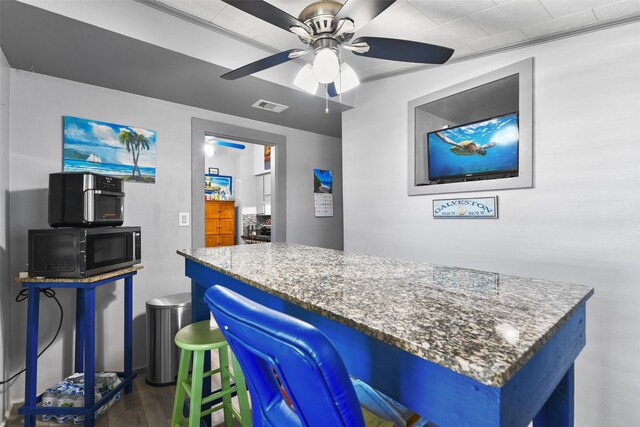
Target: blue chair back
{"points": [[308, 366]]}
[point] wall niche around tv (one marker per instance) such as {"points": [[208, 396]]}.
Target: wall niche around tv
{"points": [[473, 136]]}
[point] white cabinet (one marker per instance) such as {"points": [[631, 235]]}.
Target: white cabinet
{"points": [[266, 185], [264, 194]]}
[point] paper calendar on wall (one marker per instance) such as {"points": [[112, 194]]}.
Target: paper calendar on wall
{"points": [[323, 204], [322, 192]]}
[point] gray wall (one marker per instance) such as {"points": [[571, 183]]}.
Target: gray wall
{"points": [[302, 227], [5, 294], [38, 104], [579, 223]]}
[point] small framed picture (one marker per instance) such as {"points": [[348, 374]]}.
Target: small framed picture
{"points": [[214, 171], [220, 187]]}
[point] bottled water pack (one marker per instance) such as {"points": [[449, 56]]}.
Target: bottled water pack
{"points": [[71, 393]]}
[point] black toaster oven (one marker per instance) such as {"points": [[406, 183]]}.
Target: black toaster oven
{"points": [[83, 199]]}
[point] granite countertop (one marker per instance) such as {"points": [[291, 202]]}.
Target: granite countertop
{"points": [[259, 237], [480, 324], [90, 279]]}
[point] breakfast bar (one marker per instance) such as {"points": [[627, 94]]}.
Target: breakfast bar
{"points": [[460, 347]]}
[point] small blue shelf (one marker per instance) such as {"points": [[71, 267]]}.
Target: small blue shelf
{"points": [[39, 410], [84, 342]]}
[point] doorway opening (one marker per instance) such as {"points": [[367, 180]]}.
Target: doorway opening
{"points": [[238, 185], [237, 189]]}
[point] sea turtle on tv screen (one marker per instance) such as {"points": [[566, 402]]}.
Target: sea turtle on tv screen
{"points": [[466, 148]]}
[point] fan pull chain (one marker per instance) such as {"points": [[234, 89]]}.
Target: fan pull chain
{"points": [[326, 99]]}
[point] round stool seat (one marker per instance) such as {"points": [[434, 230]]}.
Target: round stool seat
{"points": [[199, 336], [196, 340]]}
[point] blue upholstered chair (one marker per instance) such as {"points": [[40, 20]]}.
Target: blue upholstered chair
{"points": [[307, 365]]}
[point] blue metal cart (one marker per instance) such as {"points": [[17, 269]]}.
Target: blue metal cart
{"points": [[84, 345]]}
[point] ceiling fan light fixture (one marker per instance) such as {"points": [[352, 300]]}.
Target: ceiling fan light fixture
{"points": [[326, 66], [305, 80], [326, 26], [348, 79]]}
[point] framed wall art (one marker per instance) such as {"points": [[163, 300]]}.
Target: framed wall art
{"points": [[267, 157], [126, 152], [218, 187]]}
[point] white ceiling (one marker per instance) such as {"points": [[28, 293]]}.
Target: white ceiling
{"points": [[471, 27]]}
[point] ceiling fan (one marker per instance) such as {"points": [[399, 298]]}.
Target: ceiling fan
{"points": [[328, 26]]}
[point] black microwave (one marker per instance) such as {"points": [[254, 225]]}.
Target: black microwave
{"points": [[82, 252], [84, 199]]}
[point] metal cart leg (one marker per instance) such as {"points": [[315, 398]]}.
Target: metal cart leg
{"points": [[30, 394], [128, 331], [89, 353], [80, 330]]}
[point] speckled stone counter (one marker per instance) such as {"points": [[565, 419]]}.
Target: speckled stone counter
{"points": [[483, 325], [90, 279]]}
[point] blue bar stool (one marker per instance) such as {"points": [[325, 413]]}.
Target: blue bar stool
{"points": [[197, 339]]}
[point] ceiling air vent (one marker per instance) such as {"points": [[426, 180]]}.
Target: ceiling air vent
{"points": [[270, 106]]}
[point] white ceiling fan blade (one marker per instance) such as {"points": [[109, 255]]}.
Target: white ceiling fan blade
{"points": [[301, 32], [298, 53], [344, 26], [361, 47]]}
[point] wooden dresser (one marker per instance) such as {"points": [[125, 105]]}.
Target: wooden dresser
{"points": [[219, 223]]}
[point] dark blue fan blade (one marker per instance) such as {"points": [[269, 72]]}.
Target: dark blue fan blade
{"points": [[267, 12], [259, 65], [404, 50], [230, 144], [361, 12], [331, 90]]}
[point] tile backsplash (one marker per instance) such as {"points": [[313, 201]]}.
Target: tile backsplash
{"points": [[256, 220]]}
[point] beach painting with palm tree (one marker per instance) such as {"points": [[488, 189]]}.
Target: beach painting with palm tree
{"points": [[109, 149]]}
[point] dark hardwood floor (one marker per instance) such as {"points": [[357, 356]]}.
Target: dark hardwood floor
{"points": [[144, 406]]}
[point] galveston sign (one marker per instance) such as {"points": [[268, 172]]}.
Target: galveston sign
{"points": [[483, 207]]}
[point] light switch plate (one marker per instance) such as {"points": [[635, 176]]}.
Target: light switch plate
{"points": [[183, 219]]}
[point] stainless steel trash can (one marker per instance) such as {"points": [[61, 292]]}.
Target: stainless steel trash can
{"points": [[165, 316]]}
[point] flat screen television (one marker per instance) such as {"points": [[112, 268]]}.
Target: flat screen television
{"points": [[486, 149]]}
